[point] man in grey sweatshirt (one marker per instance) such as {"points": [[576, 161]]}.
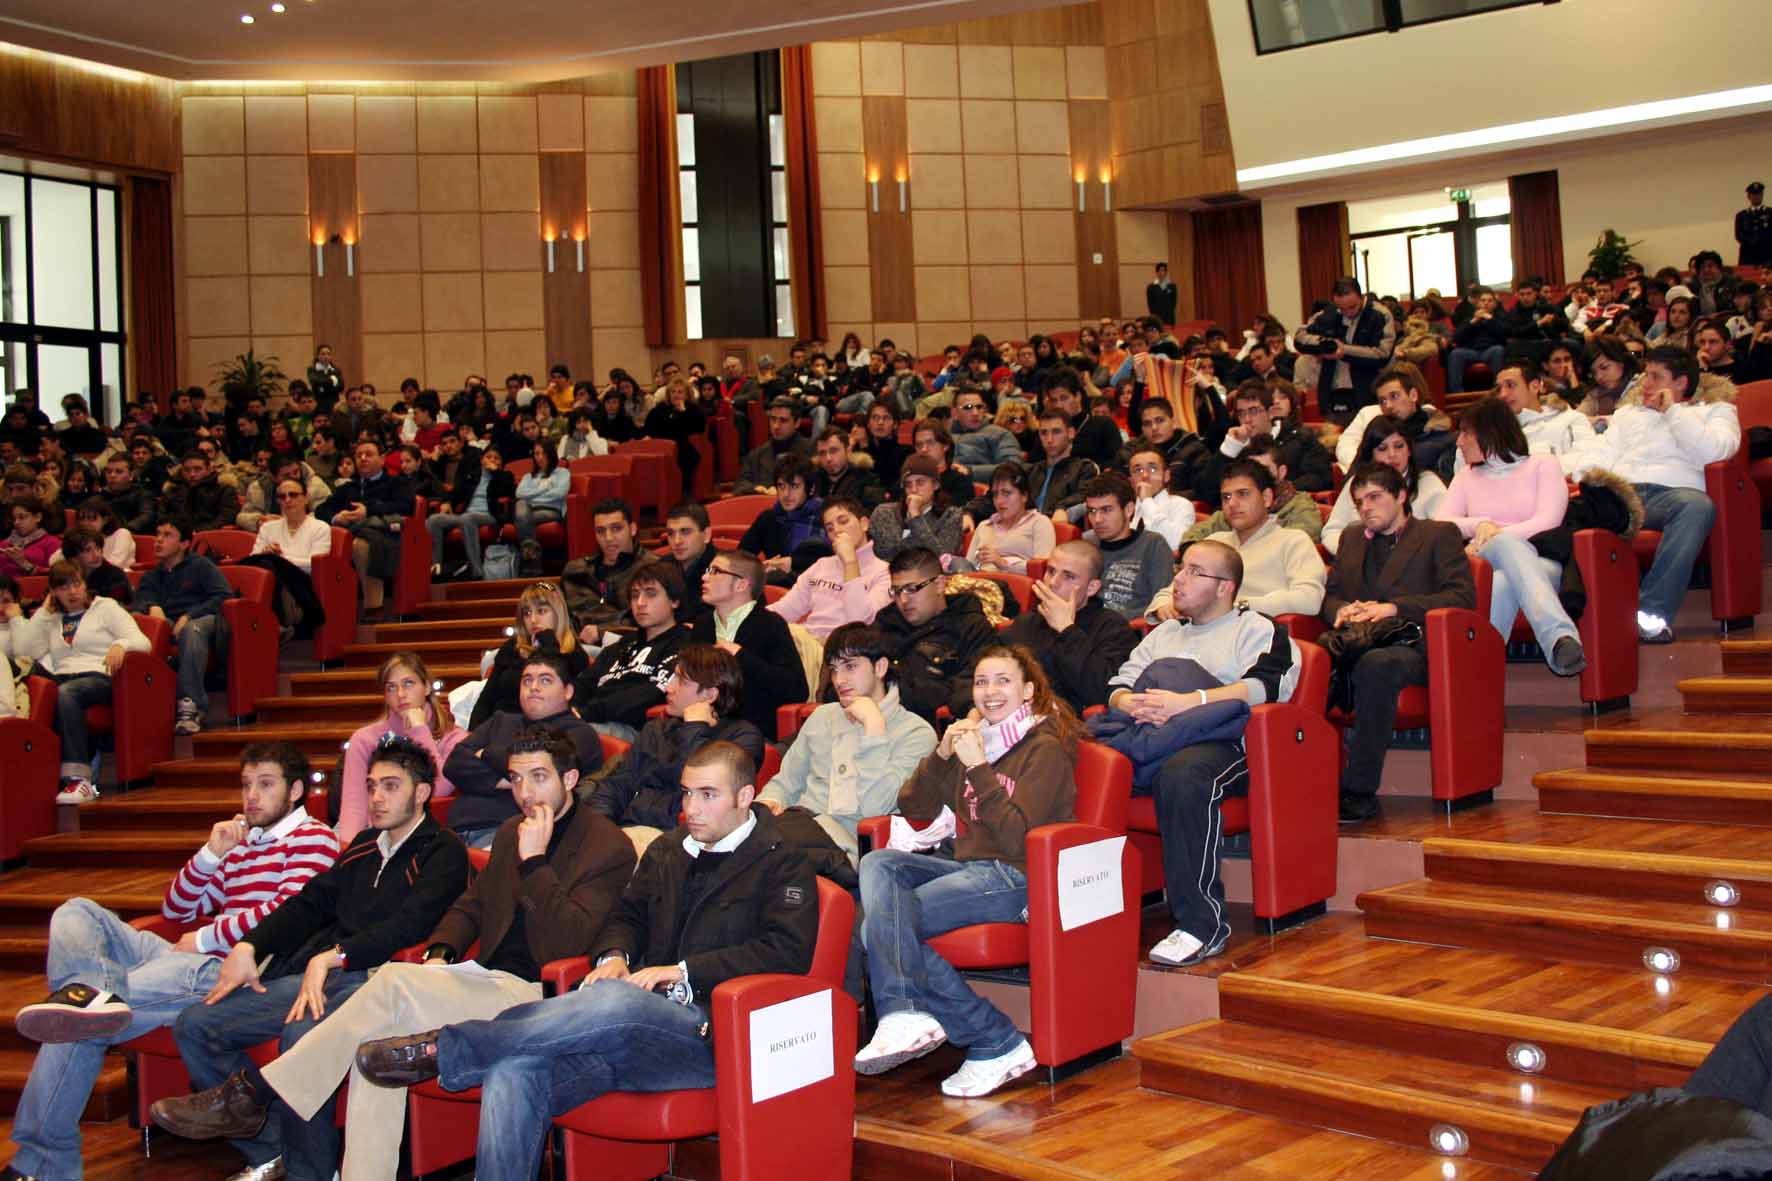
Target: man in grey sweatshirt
{"points": [[1136, 562]]}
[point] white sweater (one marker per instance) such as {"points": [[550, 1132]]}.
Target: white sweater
{"points": [[105, 623], [311, 538], [1282, 572], [1670, 448]]}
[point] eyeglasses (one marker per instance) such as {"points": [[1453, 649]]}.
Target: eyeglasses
{"points": [[911, 588], [1196, 572], [723, 570], [290, 495]]}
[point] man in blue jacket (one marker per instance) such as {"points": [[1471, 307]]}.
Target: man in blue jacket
{"points": [[187, 590]]}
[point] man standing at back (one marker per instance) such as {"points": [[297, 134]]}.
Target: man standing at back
{"points": [[1160, 295]]}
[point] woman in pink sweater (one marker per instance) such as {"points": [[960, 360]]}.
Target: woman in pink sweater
{"points": [[413, 710], [1500, 501]]}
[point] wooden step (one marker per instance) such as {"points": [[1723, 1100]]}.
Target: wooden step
{"points": [[1353, 1088], [438, 652], [317, 739], [502, 608], [224, 771], [110, 1095], [161, 808], [1734, 749], [1741, 694], [313, 708], [29, 896], [506, 588], [1664, 877], [494, 629], [1747, 658], [364, 679], [23, 948], [143, 848], [1580, 1052], [1669, 796], [1732, 944]]}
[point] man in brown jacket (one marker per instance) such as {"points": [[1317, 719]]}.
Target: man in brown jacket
{"points": [[555, 875], [1394, 567]]}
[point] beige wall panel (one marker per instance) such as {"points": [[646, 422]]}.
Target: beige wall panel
{"points": [[931, 125], [391, 303], [611, 124], [218, 306], [1143, 237], [453, 303], [986, 71], [836, 68], [987, 126], [213, 125], [1039, 71], [848, 295], [280, 246], [387, 124], [842, 180], [448, 123], [215, 246], [942, 293], [623, 348], [1043, 128], [612, 182], [214, 184], [1003, 329], [1085, 68], [1048, 236], [391, 357], [1052, 294], [515, 352], [449, 241], [993, 236], [204, 353], [510, 241], [510, 183], [282, 305], [1133, 279], [902, 335], [938, 238], [390, 243], [1046, 183], [615, 298], [934, 337], [845, 237], [992, 182], [560, 122], [332, 123], [997, 293], [507, 123], [839, 124], [448, 184], [387, 184], [276, 124], [277, 184], [882, 67], [293, 352], [614, 241], [937, 182], [513, 300], [931, 71], [451, 356]]}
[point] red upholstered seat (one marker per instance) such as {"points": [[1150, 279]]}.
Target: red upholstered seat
{"points": [[625, 1115], [986, 945]]}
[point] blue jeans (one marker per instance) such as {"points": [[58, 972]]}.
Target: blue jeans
{"points": [[72, 697], [539, 1060], [908, 897], [194, 643], [1526, 582], [530, 515], [469, 523], [1460, 359], [856, 403], [213, 1040], [1684, 516], [89, 944]]}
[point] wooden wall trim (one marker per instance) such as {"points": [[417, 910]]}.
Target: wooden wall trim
{"points": [[53, 108], [566, 292], [886, 146], [1098, 282], [338, 294]]}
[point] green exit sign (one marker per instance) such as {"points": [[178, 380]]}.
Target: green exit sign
{"points": [[1459, 196]]}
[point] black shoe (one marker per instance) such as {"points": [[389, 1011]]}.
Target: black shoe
{"points": [[73, 1013], [1358, 809], [11, 1174], [1567, 658], [399, 1061], [232, 1111]]}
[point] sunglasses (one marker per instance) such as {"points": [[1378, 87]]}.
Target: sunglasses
{"points": [[290, 495], [911, 588]]}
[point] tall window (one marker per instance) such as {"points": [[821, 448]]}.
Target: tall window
{"points": [[1446, 240], [61, 292], [1289, 24], [732, 183]]}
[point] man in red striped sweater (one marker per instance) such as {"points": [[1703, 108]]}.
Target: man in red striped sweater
{"points": [[113, 982]]}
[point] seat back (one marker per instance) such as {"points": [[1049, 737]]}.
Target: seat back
{"points": [[1312, 691], [1484, 576], [250, 582], [1104, 786], [738, 510], [1063, 531], [836, 920], [42, 691], [479, 859], [224, 545], [520, 468], [1753, 403], [144, 549], [613, 748], [33, 588]]}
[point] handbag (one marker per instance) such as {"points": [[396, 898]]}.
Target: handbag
{"points": [[1348, 643]]}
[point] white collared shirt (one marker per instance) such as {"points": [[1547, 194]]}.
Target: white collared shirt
{"points": [[389, 846], [725, 844]]}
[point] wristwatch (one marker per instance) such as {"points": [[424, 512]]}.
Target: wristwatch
{"points": [[338, 949]]}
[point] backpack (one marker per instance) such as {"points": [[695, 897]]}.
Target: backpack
{"points": [[499, 563]]}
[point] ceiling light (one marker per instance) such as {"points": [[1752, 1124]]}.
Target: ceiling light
{"points": [[1661, 959], [245, 18], [1525, 1057], [1448, 1139], [1722, 894]]}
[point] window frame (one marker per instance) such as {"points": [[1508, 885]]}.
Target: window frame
{"points": [[1463, 229], [1392, 22]]}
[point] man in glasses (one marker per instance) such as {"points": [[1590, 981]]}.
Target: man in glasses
{"points": [[1300, 450], [931, 638], [756, 472], [1232, 654], [768, 661]]}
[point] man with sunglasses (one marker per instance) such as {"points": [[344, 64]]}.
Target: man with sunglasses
{"points": [[931, 638]]}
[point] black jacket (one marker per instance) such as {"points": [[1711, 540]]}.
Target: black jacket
{"points": [[207, 504], [136, 507], [1522, 322], [771, 534], [768, 662], [369, 911], [384, 496], [1069, 476], [1483, 334], [855, 483], [506, 675], [480, 760], [629, 678], [1187, 456], [934, 661], [757, 468], [1308, 465], [889, 456], [1080, 661], [646, 785], [1320, 335], [501, 493], [759, 914]]}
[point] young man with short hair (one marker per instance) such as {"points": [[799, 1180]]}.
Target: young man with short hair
{"points": [[1158, 509], [980, 444], [690, 535], [1551, 425], [756, 472], [838, 478], [199, 497], [1080, 642], [555, 875], [1292, 508], [735, 622], [1354, 339], [1136, 561], [370, 506], [629, 676], [1057, 481], [789, 535], [1482, 338], [387, 890], [85, 549], [186, 590], [1185, 452], [932, 637], [850, 586], [134, 504], [606, 572], [1300, 451], [112, 982]]}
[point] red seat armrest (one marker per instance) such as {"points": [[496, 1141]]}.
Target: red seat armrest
{"points": [[158, 924], [1608, 626], [1735, 592], [873, 832], [1293, 788], [252, 654], [144, 693], [558, 976], [1087, 977], [1467, 702]]}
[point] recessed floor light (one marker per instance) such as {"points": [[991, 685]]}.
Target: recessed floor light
{"points": [[277, 8], [245, 18]]}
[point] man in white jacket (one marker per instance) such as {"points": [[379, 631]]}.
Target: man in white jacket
{"points": [[1661, 437], [1551, 425]]}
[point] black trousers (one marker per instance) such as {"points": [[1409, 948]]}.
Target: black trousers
{"points": [[1381, 674], [1188, 790], [1739, 1067]]}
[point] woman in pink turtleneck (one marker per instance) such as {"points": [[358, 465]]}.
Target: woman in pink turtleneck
{"points": [[413, 710]]}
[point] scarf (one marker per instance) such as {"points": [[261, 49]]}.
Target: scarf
{"points": [[1497, 466], [23, 540], [999, 737]]}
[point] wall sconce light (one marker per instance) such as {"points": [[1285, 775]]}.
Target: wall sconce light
{"points": [[904, 201], [1107, 189], [578, 240], [548, 237], [350, 256], [874, 190], [320, 256], [1078, 176]]}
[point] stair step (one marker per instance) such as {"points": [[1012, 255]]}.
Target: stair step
{"points": [[364, 679], [143, 849], [504, 588], [1598, 930], [1747, 658], [162, 809], [1574, 1051], [494, 629], [434, 652], [312, 739], [1734, 750], [302, 708], [110, 1095], [1669, 796], [1741, 693], [23, 948], [501, 608], [221, 771], [1663, 877], [1353, 1088], [29, 896]]}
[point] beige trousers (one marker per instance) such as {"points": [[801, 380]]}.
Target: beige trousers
{"points": [[399, 999]]}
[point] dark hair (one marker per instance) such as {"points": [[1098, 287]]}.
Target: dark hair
{"points": [[614, 504], [553, 659], [1679, 362], [1529, 368], [784, 403], [77, 539], [62, 573], [1248, 469], [692, 510], [290, 760], [749, 567], [1380, 428], [738, 765], [1064, 377], [1264, 445], [1496, 429], [847, 503], [1110, 484], [833, 432], [1408, 376], [544, 740], [407, 755], [791, 467], [915, 560], [1383, 475], [862, 640], [184, 526], [714, 668], [1346, 285], [1015, 475], [1253, 390], [548, 451], [664, 573], [940, 433], [1160, 405]]}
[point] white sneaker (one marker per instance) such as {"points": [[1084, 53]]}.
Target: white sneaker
{"points": [[986, 1075], [1180, 950], [899, 1038], [78, 790]]}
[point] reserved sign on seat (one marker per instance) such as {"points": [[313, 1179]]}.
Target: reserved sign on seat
{"points": [[1089, 883], [791, 1046]]}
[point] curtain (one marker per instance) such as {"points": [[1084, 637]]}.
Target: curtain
{"points": [[153, 329], [1537, 225], [1230, 279], [805, 233], [1323, 250], [658, 203]]}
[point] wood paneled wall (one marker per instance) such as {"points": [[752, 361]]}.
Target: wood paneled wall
{"points": [[1098, 253], [1171, 138], [333, 223], [565, 290], [886, 149], [57, 108]]}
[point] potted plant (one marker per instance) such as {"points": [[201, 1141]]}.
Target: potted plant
{"points": [[1610, 254], [249, 374]]}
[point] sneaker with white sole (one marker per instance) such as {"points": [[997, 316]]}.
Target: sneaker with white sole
{"points": [[189, 720], [1179, 949], [77, 790], [899, 1038], [271, 1170], [981, 1077], [74, 1012]]}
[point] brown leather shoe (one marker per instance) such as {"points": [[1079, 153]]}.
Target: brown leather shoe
{"points": [[399, 1061], [232, 1111]]}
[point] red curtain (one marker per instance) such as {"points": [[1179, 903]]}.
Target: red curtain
{"points": [[805, 233], [1537, 225], [1323, 250], [658, 187], [153, 329], [1230, 280]]}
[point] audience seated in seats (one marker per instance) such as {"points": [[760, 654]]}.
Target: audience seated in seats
{"points": [[1136, 560], [925, 518], [850, 586], [286, 545], [931, 638], [689, 534], [80, 546], [789, 535], [1079, 642], [541, 497], [370, 506], [30, 548], [1351, 340], [1223, 652], [555, 875], [1394, 567], [929, 438], [642, 790], [1299, 450], [387, 891], [839, 477], [542, 625], [1534, 325], [451, 461], [200, 495], [1097, 439], [483, 495], [111, 983], [596, 587], [1663, 433], [1017, 531], [756, 472], [1282, 572], [980, 444], [261, 503], [1402, 396], [853, 754], [1613, 372], [1007, 767], [1185, 452], [629, 675], [611, 419], [737, 623], [1502, 499], [581, 440], [1057, 477], [1292, 509], [1481, 338], [677, 417], [116, 544], [136, 506], [1550, 425], [187, 590], [1386, 442], [639, 1023], [412, 710], [477, 764], [877, 438], [12, 674]]}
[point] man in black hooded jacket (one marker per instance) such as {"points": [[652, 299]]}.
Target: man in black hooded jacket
{"points": [[931, 638]]}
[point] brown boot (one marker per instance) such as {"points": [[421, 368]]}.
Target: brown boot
{"points": [[399, 1061], [232, 1111]]}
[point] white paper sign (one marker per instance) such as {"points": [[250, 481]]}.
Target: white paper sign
{"points": [[791, 1046], [1089, 883]]}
